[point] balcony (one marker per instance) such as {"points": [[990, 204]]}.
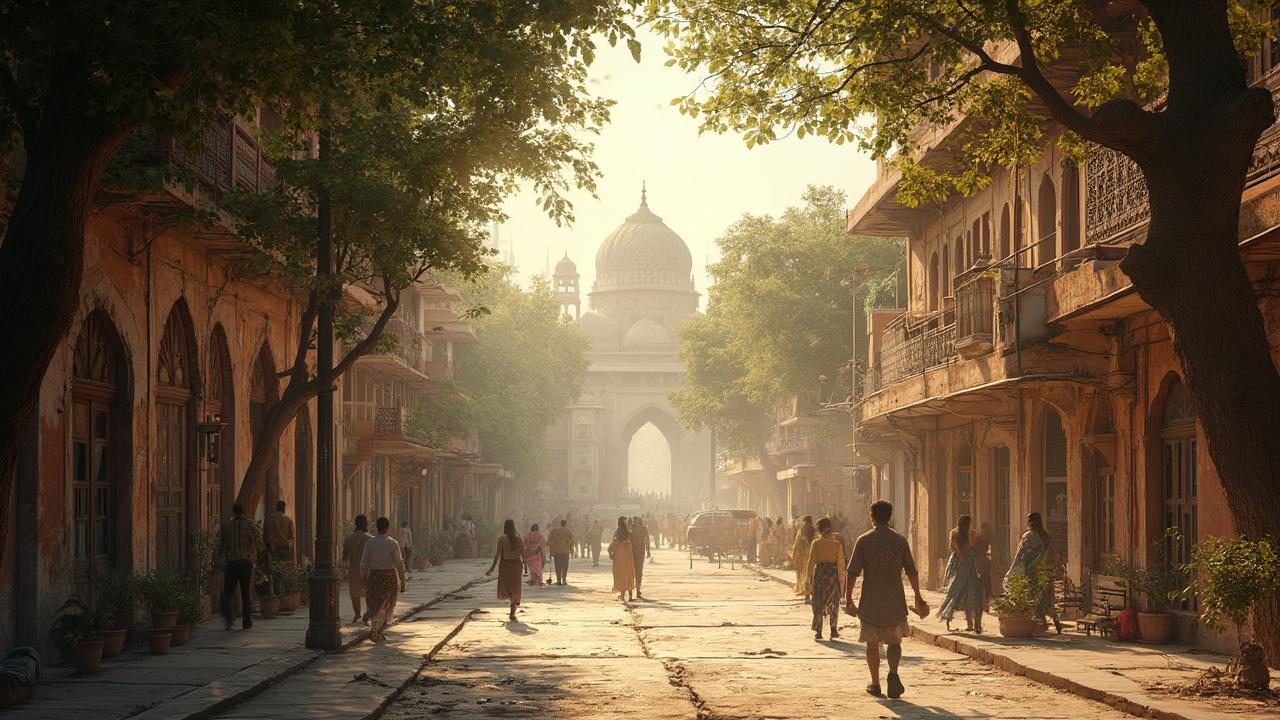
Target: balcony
{"points": [[975, 315], [909, 348], [390, 422], [1116, 203], [225, 157]]}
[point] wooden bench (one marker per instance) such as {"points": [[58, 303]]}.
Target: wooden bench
{"points": [[1068, 600], [1108, 596]]}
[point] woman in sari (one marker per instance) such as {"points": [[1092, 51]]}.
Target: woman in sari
{"points": [[800, 555], [964, 587], [765, 542], [534, 549], [780, 542], [624, 569], [1035, 559], [825, 568], [509, 559]]}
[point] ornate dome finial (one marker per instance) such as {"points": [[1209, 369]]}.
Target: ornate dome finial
{"points": [[644, 200]]}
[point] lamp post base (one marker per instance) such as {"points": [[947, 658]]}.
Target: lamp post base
{"points": [[324, 632]]}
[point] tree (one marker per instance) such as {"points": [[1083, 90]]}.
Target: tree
{"points": [[767, 335], [526, 366], [872, 72], [77, 79]]}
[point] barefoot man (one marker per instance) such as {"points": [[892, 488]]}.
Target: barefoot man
{"points": [[881, 556]]}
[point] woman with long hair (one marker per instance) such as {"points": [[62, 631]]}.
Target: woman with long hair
{"points": [[624, 569], [1035, 559], [509, 559], [534, 554], [964, 587], [825, 569], [800, 554]]}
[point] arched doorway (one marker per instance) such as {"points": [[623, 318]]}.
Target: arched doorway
{"points": [[964, 482], [1047, 222], [1054, 467], [1178, 475], [649, 461], [660, 438], [303, 485], [262, 395], [100, 442], [1070, 210], [934, 279], [219, 403], [176, 498], [1100, 489]]}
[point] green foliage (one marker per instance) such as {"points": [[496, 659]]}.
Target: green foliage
{"points": [[878, 72], [1231, 576], [440, 544], [161, 590], [1019, 598], [117, 597], [1115, 566], [202, 560], [190, 607], [775, 315], [288, 577], [1161, 582], [527, 364], [75, 622]]}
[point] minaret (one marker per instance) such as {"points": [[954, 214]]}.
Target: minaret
{"points": [[565, 282]]}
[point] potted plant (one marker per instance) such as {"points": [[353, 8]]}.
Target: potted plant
{"points": [[439, 546], [1230, 577], [264, 588], [190, 612], [1159, 583], [76, 632], [202, 576], [161, 591], [117, 598], [158, 640], [289, 581], [1016, 606]]}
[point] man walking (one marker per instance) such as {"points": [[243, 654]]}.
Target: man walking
{"points": [[593, 537], [382, 567], [881, 556], [753, 532], [639, 550], [353, 553], [277, 530], [560, 543], [241, 545], [404, 536]]}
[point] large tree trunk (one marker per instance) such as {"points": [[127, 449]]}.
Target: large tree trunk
{"points": [[1190, 271], [41, 264]]}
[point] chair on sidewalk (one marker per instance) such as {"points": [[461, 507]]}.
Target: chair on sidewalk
{"points": [[1067, 598], [1108, 596]]}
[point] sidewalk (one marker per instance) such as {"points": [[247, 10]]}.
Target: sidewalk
{"points": [[217, 670], [1122, 675]]}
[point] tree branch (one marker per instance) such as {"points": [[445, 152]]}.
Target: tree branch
{"points": [[392, 298], [306, 331], [12, 92]]}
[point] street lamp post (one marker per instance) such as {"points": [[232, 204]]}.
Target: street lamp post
{"points": [[323, 630]]}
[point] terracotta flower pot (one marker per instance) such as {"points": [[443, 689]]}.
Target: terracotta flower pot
{"points": [[159, 641], [1156, 628], [88, 655], [164, 619], [1017, 626], [436, 559], [290, 602], [268, 605], [180, 635], [114, 644]]}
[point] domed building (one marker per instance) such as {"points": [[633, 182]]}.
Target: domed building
{"points": [[643, 290]]}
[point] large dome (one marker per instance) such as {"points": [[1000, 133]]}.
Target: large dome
{"points": [[643, 251]]}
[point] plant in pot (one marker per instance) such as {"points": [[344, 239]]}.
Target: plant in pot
{"points": [[161, 591], [290, 579], [117, 599], [264, 587], [1159, 583], [439, 546], [1016, 607], [203, 569], [77, 633], [190, 613], [1230, 576]]}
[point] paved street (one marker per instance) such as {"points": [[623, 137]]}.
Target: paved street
{"points": [[706, 643]]}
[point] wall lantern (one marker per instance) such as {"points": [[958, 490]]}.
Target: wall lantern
{"points": [[211, 437]]}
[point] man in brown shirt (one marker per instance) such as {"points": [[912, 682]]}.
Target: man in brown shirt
{"points": [[352, 552], [882, 556], [639, 549], [560, 544], [241, 544], [277, 530]]}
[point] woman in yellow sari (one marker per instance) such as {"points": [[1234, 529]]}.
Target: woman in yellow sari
{"points": [[800, 555], [624, 569], [826, 572]]}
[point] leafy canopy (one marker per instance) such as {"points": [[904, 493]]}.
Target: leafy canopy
{"points": [[779, 315], [876, 72]]}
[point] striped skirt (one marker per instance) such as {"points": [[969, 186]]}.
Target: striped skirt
{"points": [[382, 588], [825, 590]]}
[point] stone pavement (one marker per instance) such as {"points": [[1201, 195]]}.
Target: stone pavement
{"points": [[217, 670], [1126, 676]]}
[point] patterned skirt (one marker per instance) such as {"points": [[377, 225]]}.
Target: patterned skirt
{"points": [[825, 589], [381, 589]]}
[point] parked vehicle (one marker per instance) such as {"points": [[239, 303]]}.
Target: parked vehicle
{"points": [[718, 532]]}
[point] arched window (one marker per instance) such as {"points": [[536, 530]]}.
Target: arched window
{"points": [[1054, 468], [933, 282], [986, 234], [175, 499], [262, 395], [100, 506], [1019, 228], [1178, 475], [1070, 209], [975, 249], [1102, 425], [960, 264], [219, 404], [1005, 246], [946, 271], [1047, 222]]}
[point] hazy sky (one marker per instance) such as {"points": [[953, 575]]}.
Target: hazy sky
{"points": [[698, 184]]}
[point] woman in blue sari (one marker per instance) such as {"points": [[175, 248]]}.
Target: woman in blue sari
{"points": [[964, 587]]}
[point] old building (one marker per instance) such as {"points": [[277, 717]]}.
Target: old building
{"points": [[1027, 375], [643, 289]]}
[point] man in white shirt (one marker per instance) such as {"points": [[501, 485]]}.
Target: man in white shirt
{"points": [[404, 536], [382, 565]]}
